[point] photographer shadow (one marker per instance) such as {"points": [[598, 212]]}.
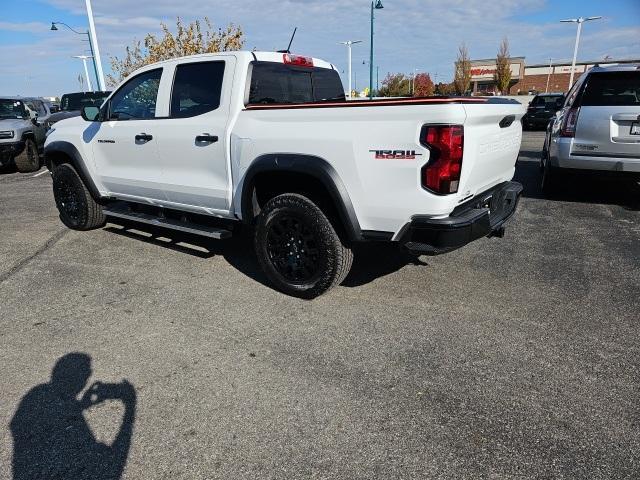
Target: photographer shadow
{"points": [[51, 438]]}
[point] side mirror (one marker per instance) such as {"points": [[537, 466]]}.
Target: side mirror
{"points": [[34, 117], [90, 113]]}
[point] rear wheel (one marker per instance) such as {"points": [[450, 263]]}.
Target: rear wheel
{"points": [[78, 210], [551, 176], [298, 248], [28, 160]]}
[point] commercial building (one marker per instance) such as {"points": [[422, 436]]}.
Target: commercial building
{"points": [[550, 77]]}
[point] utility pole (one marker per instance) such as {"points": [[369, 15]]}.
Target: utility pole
{"points": [[94, 46], [579, 21], [349, 43]]}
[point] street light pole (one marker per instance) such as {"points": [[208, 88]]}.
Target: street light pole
{"points": [[86, 70], [95, 47], [348, 43], [95, 67], [374, 6], [579, 21]]}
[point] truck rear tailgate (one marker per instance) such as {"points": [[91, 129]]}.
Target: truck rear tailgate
{"points": [[492, 136]]}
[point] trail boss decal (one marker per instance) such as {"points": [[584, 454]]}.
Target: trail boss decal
{"points": [[395, 154]]}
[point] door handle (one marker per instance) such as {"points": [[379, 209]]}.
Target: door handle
{"points": [[143, 137], [206, 138]]}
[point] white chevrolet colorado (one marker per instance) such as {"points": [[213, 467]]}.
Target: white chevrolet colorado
{"points": [[201, 143]]}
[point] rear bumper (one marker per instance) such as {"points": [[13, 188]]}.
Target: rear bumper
{"points": [[563, 155], [482, 216]]}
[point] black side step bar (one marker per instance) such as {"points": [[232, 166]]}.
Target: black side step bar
{"points": [[125, 213]]}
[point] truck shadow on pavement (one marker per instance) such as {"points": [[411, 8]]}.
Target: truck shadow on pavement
{"points": [[371, 260], [52, 439], [583, 187]]}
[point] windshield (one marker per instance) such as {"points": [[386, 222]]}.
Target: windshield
{"points": [[12, 108], [75, 101]]}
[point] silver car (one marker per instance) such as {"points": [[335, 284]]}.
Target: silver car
{"points": [[598, 127]]}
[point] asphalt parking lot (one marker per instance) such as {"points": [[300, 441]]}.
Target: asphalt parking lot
{"points": [[510, 358]]}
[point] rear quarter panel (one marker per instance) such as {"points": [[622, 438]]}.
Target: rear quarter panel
{"points": [[385, 192]]}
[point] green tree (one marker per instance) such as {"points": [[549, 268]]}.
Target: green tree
{"points": [[422, 85], [196, 37], [462, 76], [395, 85], [502, 75]]}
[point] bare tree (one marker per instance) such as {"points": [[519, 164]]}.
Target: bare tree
{"points": [[189, 39], [462, 77], [502, 75]]}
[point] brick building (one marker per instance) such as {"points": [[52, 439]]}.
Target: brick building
{"points": [[530, 78]]}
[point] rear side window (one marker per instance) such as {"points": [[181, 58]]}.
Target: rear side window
{"points": [[273, 82], [612, 89], [196, 88]]}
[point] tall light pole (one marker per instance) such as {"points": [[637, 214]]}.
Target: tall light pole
{"points": [[374, 6], [96, 48], [546, 90], [86, 70], [348, 43], [95, 67], [413, 81], [579, 21]]}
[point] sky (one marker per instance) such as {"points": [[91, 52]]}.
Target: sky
{"points": [[411, 35]]}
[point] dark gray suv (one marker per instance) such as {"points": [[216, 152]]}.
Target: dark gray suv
{"points": [[22, 132]]}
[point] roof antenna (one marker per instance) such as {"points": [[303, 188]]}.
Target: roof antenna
{"points": [[288, 50]]}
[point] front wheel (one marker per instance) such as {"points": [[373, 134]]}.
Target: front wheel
{"points": [[298, 248], [78, 210], [29, 159]]}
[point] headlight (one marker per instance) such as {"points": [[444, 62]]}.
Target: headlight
{"points": [[7, 134]]}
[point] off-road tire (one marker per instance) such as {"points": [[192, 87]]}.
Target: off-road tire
{"points": [[309, 227], [78, 210], [29, 159]]}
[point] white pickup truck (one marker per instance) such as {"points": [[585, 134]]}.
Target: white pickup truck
{"points": [[200, 143]]}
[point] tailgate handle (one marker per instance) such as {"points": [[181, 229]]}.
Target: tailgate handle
{"points": [[631, 117], [507, 121]]}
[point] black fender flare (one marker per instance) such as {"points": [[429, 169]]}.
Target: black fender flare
{"points": [[75, 159], [313, 166]]}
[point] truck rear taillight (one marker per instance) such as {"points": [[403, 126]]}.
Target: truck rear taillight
{"points": [[446, 143], [569, 122], [297, 60]]}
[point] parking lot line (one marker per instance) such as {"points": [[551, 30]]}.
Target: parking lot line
{"points": [[40, 173]]}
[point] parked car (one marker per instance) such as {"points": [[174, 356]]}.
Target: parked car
{"points": [[22, 133], [72, 103], [542, 108], [598, 128], [201, 143]]}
